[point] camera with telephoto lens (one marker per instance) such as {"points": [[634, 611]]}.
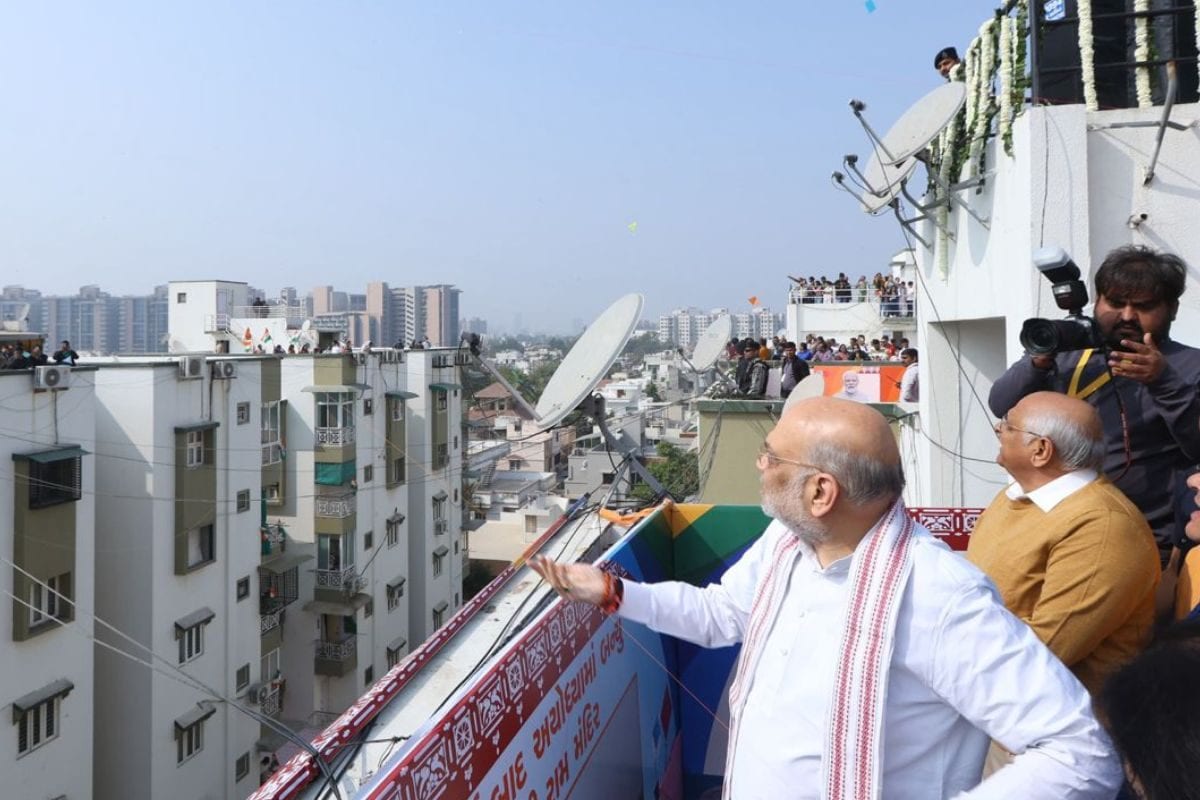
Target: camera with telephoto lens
{"points": [[1045, 337]]}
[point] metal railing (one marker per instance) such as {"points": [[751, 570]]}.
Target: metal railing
{"points": [[272, 703], [343, 650], [336, 578], [335, 436], [336, 506], [269, 622], [290, 313]]}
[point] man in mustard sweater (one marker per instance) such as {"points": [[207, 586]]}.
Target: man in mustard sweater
{"points": [[1070, 554]]}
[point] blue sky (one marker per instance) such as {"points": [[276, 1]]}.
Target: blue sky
{"points": [[502, 146]]}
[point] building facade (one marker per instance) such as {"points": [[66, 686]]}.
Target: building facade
{"points": [[47, 552]]}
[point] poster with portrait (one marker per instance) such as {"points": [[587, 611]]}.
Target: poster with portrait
{"points": [[861, 382]]}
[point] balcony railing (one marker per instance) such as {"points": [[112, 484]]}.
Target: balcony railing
{"points": [[343, 650], [335, 578], [272, 702], [335, 436], [270, 613], [336, 506]]}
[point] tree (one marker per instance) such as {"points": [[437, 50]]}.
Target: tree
{"points": [[652, 392], [677, 470]]}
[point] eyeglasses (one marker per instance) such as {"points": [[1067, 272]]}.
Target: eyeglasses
{"points": [[767, 458], [1003, 424]]}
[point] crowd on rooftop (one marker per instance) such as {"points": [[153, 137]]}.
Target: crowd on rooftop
{"points": [[894, 296]]}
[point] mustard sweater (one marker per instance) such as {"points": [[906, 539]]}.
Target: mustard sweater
{"points": [[1082, 576]]}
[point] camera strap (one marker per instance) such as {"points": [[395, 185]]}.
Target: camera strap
{"points": [[1087, 391]]}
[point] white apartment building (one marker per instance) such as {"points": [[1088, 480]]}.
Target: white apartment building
{"points": [[374, 469], [179, 482], [46, 529]]}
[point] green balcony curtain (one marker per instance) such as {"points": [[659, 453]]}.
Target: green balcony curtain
{"points": [[335, 474]]}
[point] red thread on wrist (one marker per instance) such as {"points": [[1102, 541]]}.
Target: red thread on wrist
{"points": [[614, 593]]}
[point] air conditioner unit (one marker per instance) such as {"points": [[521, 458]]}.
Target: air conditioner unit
{"points": [[257, 693], [224, 370], [52, 377], [191, 367]]}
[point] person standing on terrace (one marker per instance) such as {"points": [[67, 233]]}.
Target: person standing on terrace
{"points": [[875, 662]]}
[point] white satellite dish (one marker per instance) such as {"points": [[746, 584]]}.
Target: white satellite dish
{"points": [[712, 343], [884, 183], [923, 121], [812, 386], [589, 359]]}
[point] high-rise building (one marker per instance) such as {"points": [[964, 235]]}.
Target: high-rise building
{"points": [[439, 313]]}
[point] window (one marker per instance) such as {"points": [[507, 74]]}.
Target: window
{"points": [[272, 491], [268, 666], [514, 463], [456, 495], [191, 643], [456, 547], [456, 599], [369, 609], [438, 558], [335, 410], [397, 468], [441, 401], [368, 406], [334, 553], [54, 482], [200, 546], [393, 530], [195, 449], [395, 591], [243, 500], [368, 540], [241, 767], [189, 741], [243, 676], [51, 601], [397, 406], [181, 297], [369, 675], [243, 413], [393, 654], [272, 446], [439, 618], [368, 473], [37, 725], [455, 442], [243, 588]]}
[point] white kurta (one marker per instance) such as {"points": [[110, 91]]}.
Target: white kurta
{"points": [[963, 670]]}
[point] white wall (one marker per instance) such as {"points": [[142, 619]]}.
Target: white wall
{"points": [[63, 765]]}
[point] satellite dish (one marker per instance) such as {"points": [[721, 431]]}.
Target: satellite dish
{"points": [[812, 386], [922, 122], [712, 343], [884, 183], [587, 362]]}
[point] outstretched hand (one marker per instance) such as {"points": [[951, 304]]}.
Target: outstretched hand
{"points": [[1140, 361], [581, 582]]}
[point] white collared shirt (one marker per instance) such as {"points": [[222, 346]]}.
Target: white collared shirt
{"points": [[963, 670], [1048, 496]]}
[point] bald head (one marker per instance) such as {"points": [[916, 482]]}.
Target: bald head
{"points": [[849, 440], [1072, 426]]}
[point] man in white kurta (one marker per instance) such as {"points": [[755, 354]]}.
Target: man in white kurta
{"points": [[962, 669]]}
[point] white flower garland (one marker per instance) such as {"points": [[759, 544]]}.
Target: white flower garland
{"points": [[1087, 55], [972, 67], [987, 66], [1141, 53], [1008, 58]]}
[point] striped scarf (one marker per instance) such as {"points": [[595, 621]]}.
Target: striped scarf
{"points": [[852, 766]]}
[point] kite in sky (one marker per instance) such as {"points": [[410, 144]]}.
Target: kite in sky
{"points": [[632, 226]]}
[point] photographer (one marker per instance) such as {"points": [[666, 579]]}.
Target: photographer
{"points": [[1143, 384]]}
